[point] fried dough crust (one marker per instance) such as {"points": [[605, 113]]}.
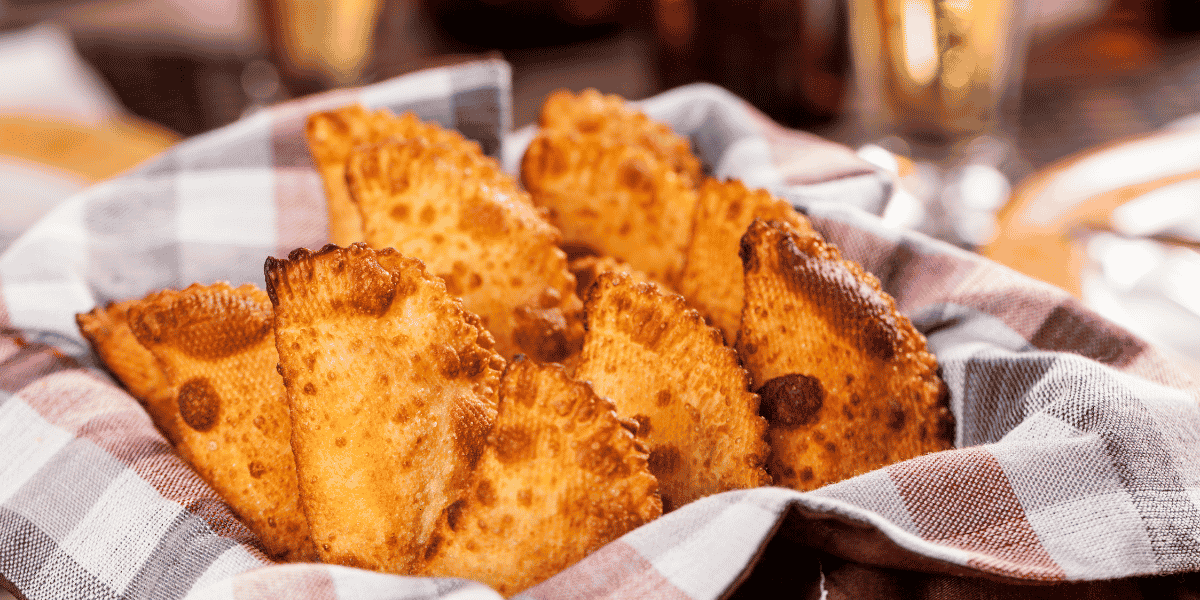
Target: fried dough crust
{"points": [[665, 368], [608, 116], [216, 349], [562, 475], [847, 385], [107, 332], [470, 225], [614, 180], [392, 388], [618, 199], [332, 135], [712, 272]]}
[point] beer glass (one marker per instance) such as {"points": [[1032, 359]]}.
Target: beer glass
{"points": [[939, 81]]}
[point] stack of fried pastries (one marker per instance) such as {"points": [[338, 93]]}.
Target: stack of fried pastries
{"points": [[846, 382], [431, 195], [355, 413], [393, 404], [432, 457]]}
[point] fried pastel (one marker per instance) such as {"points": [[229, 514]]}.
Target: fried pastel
{"points": [[712, 273], [107, 332], [332, 135], [218, 354], [665, 368], [618, 199], [562, 475], [847, 385], [392, 388], [492, 248], [592, 114]]}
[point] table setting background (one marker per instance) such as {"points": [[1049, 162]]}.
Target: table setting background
{"points": [[1074, 472]]}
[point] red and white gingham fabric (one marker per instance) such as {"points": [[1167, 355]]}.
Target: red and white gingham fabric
{"points": [[1076, 473]]}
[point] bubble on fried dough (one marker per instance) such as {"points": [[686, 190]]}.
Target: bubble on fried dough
{"points": [[242, 326], [791, 400], [199, 404]]}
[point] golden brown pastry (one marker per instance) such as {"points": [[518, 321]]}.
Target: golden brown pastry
{"points": [[608, 116], [561, 476], [217, 351], [665, 368], [470, 225], [847, 385], [614, 182], [332, 135], [712, 273], [392, 388], [107, 331]]}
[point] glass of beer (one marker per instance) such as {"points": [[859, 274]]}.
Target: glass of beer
{"points": [[938, 81]]}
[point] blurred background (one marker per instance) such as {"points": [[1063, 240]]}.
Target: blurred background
{"points": [[1097, 69], [1099, 108]]}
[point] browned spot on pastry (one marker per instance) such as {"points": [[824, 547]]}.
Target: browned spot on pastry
{"points": [[485, 492], [635, 175], [375, 288], [544, 334], [600, 458], [483, 217], [643, 425], [257, 469], [664, 460], [434, 544], [454, 513], [472, 424], [446, 359], [806, 474], [551, 161], [663, 398], [513, 444], [189, 324], [199, 404], [791, 400], [896, 417]]}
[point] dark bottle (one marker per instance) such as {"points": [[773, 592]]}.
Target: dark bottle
{"points": [[789, 58]]}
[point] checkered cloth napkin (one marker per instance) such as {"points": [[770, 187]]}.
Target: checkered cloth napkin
{"points": [[1078, 444]]}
